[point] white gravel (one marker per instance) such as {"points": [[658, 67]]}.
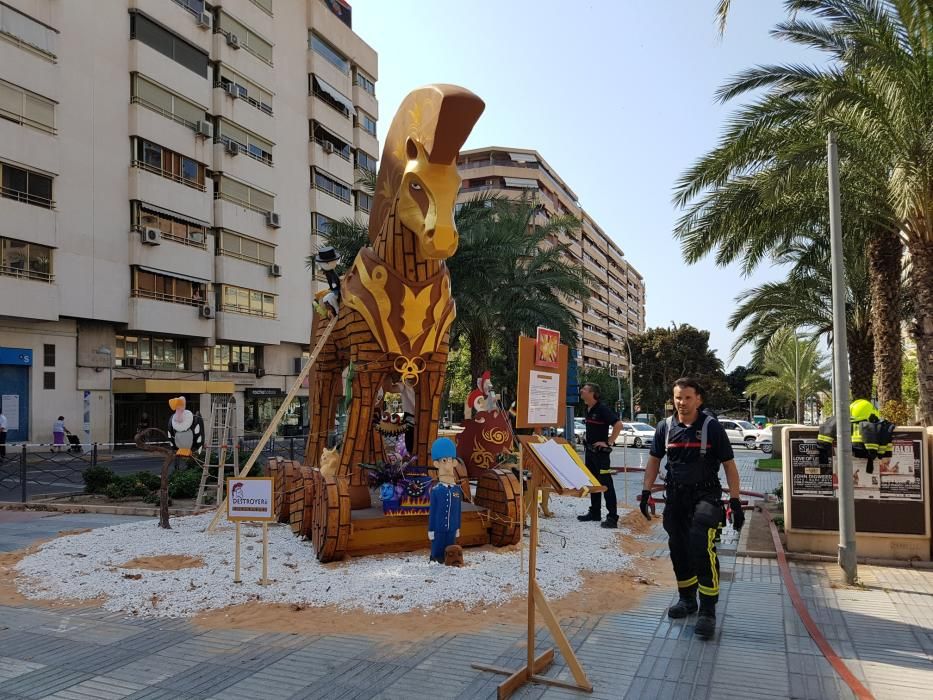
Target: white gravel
{"points": [[88, 566]]}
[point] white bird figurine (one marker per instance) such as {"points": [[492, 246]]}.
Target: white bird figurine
{"points": [[185, 430]]}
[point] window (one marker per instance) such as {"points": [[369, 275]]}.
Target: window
{"points": [[249, 39], [150, 284], [150, 351], [24, 30], [365, 122], [364, 82], [168, 164], [172, 227], [322, 48], [252, 145], [331, 96], [322, 224], [48, 380], [28, 260], [159, 99], [27, 108], [48, 355], [246, 90], [155, 36], [26, 186], [194, 6], [331, 185], [236, 245], [364, 161], [244, 195], [224, 357], [264, 5], [323, 136], [246, 301], [364, 202]]}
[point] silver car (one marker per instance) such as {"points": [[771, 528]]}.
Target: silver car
{"points": [[636, 435]]}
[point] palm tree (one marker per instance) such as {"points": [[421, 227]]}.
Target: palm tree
{"points": [[770, 142], [786, 364]]}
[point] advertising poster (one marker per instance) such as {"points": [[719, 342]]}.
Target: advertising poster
{"points": [[808, 477], [895, 478]]}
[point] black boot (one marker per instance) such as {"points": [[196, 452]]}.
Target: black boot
{"points": [[687, 605], [590, 516], [706, 621], [611, 522]]}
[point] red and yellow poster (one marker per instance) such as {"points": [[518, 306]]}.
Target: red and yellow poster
{"points": [[546, 347]]}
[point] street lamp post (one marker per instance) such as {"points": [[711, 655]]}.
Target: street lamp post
{"points": [[796, 378], [109, 354], [631, 381]]}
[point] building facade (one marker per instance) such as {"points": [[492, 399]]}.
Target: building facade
{"points": [[616, 308], [167, 167]]}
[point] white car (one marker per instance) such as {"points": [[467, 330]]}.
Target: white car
{"points": [[636, 435], [764, 444], [579, 430], [741, 432]]}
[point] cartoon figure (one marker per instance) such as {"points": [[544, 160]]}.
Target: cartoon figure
{"points": [[185, 430], [482, 398], [328, 259], [446, 500]]}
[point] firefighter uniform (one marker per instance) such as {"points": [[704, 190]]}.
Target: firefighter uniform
{"points": [[871, 436], [599, 419], [693, 510]]}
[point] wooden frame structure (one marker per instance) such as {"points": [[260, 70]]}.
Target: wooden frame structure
{"points": [[541, 478]]}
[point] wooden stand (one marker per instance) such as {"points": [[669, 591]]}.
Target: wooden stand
{"points": [[536, 665]]}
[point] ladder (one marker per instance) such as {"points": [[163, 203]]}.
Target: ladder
{"points": [[220, 435]]}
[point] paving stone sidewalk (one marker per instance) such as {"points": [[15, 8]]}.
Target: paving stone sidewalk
{"points": [[883, 630]]}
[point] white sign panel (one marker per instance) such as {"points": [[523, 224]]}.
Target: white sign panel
{"points": [[250, 498], [543, 398], [9, 407]]}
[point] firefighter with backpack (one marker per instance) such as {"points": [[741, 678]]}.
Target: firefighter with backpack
{"points": [[871, 436], [695, 445]]}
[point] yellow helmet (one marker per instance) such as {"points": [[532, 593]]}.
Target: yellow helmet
{"points": [[861, 409]]}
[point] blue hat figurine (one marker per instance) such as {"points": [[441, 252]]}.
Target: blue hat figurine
{"points": [[446, 500], [443, 448]]}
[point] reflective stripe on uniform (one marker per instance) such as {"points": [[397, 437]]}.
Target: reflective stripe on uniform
{"points": [[711, 551], [689, 582]]}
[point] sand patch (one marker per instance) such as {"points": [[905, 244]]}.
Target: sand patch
{"points": [[164, 562]]}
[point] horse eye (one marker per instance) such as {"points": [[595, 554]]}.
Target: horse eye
{"points": [[415, 186]]}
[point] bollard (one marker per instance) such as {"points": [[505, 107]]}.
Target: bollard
{"points": [[22, 475], [94, 455], [291, 449]]}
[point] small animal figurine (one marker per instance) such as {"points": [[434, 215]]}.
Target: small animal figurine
{"points": [[185, 430], [330, 461], [453, 555]]}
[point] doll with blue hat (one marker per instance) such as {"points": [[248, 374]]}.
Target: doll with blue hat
{"points": [[446, 499]]}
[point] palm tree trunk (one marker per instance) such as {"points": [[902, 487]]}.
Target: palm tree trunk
{"points": [[861, 359], [921, 255], [479, 355], [884, 260]]}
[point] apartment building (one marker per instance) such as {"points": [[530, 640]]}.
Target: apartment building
{"points": [[616, 308], [167, 167]]}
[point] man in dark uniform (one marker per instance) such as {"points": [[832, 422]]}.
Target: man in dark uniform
{"points": [[695, 445], [598, 445]]}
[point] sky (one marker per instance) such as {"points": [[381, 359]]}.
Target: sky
{"points": [[617, 96]]}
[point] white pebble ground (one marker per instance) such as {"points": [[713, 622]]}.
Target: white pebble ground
{"points": [[88, 566]]}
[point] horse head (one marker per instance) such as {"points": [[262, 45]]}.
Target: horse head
{"points": [[426, 199]]}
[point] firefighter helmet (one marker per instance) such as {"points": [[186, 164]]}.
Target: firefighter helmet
{"points": [[861, 409]]}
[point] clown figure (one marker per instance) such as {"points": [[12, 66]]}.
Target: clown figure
{"points": [[446, 500]]}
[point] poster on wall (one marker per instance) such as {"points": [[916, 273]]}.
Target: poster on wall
{"points": [[9, 407], [808, 476], [895, 478], [547, 347], [543, 397]]}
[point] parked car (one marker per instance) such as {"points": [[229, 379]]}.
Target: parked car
{"points": [[764, 444], [636, 435], [579, 430], [741, 432]]}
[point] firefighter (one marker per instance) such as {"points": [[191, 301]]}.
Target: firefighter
{"points": [[598, 446], [695, 445], [871, 436]]}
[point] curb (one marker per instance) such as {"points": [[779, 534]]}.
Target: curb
{"points": [[106, 510], [867, 561]]}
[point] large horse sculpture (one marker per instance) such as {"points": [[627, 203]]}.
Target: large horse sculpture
{"points": [[396, 299]]}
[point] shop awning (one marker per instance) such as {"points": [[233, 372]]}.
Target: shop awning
{"points": [[178, 387]]}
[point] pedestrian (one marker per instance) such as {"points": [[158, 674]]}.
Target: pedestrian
{"points": [[58, 434], [695, 444], [3, 425], [143, 423], [597, 447]]}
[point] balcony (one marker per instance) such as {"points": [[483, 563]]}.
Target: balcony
{"points": [[182, 22], [168, 194], [365, 140], [330, 118], [245, 328], [243, 112], [25, 297], [365, 101], [332, 161], [244, 273], [188, 260], [28, 222], [242, 61], [237, 217], [36, 149], [164, 70], [163, 316], [244, 166], [168, 133], [328, 205]]}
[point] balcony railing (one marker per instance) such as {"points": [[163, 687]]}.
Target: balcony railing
{"points": [[193, 184], [247, 311], [162, 296], [19, 196], [23, 273]]}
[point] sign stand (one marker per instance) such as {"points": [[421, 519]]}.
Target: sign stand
{"points": [[264, 581], [251, 499], [236, 556], [542, 478]]}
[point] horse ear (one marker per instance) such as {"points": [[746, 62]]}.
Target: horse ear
{"points": [[411, 148]]}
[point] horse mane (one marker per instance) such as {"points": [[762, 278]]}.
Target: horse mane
{"points": [[439, 117]]}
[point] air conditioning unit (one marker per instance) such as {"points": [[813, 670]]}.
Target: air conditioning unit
{"points": [[273, 220], [240, 367], [297, 364], [327, 146], [196, 237], [131, 362], [231, 90], [204, 20], [151, 236], [204, 129], [275, 270], [260, 373], [206, 311], [233, 41], [233, 148]]}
